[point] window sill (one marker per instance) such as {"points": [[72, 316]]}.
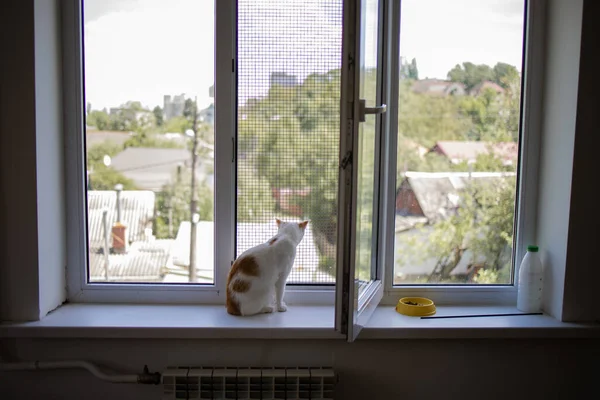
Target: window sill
{"points": [[299, 322], [175, 322], [386, 323]]}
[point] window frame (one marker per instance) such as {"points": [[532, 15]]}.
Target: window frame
{"points": [[78, 289], [526, 194]]}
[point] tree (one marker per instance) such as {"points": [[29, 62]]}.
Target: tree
{"points": [[188, 109], [104, 177], [290, 139], [482, 225], [409, 70], [505, 75], [470, 74], [176, 124], [427, 119], [99, 119], [158, 115], [173, 204]]}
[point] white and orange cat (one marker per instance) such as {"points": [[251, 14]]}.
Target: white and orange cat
{"points": [[258, 275]]}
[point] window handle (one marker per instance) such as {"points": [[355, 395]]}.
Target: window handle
{"points": [[364, 110]]}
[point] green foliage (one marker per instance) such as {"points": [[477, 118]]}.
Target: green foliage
{"points": [[409, 70], [158, 116], [96, 153], [176, 125], [151, 140], [177, 198], [470, 74], [102, 177], [105, 178], [505, 75], [280, 149], [99, 119], [255, 201], [482, 224], [189, 108], [426, 119]]}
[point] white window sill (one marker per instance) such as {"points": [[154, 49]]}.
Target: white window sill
{"points": [[176, 322], [386, 323], [299, 322]]}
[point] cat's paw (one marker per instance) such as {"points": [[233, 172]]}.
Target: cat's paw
{"points": [[282, 307], [267, 310]]}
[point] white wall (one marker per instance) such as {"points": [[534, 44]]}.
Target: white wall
{"points": [[50, 166], [387, 370], [401, 369]]}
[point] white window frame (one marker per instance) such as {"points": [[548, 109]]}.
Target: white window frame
{"points": [[78, 289], [531, 123]]}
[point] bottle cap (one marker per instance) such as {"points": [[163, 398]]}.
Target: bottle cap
{"points": [[533, 249]]}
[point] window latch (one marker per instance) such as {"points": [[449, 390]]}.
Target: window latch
{"points": [[363, 110]]}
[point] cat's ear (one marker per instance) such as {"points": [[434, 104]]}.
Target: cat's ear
{"points": [[278, 221], [302, 225]]}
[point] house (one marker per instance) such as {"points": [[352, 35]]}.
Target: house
{"points": [[152, 168], [486, 85], [467, 151], [137, 211], [435, 195], [438, 87], [145, 261], [288, 200], [145, 258], [423, 198]]}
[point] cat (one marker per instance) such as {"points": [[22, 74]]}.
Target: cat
{"points": [[259, 274]]}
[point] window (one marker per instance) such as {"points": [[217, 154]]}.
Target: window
{"points": [[400, 140], [459, 141], [149, 139]]}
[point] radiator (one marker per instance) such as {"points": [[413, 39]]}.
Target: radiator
{"points": [[248, 383]]}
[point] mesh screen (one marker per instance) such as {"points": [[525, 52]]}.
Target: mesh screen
{"points": [[289, 58]]}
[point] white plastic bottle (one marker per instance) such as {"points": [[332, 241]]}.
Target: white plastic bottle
{"points": [[529, 293]]}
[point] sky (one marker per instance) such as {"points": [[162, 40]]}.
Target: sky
{"points": [[144, 49]]}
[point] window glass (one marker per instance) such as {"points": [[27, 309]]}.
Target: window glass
{"points": [[458, 140], [149, 139]]}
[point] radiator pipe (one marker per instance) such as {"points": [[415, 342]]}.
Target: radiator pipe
{"points": [[144, 378]]}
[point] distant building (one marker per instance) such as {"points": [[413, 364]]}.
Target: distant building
{"points": [[146, 259], [486, 85], [436, 195], [283, 79], [173, 107]]}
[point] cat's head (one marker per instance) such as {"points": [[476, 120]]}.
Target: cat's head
{"points": [[294, 230]]}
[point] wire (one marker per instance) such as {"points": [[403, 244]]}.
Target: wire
{"points": [[44, 365]]}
